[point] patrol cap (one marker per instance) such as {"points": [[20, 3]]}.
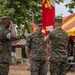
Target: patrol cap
{"points": [[5, 17], [58, 19], [38, 23]]}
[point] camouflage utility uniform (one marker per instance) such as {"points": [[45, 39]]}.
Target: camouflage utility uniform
{"points": [[74, 49], [37, 54], [5, 51], [58, 58]]}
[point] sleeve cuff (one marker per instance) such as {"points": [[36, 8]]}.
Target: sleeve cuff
{"points": [[9, 36]]}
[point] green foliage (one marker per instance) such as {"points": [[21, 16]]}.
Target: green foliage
{"points": [[58, 1], [16, 62], [23, 53], [70, 5]]}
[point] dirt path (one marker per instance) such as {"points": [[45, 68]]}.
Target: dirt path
{"points": [[17, 70]]}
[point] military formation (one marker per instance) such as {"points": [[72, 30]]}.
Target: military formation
{"points": [[38, 48]]}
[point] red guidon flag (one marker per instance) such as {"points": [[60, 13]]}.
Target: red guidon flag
{"points": [[48, 15]]}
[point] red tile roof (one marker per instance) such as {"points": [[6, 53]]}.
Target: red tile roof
{"points": [[19, 42]]}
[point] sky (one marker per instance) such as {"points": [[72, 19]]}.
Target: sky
{"points": [[60, 9]]}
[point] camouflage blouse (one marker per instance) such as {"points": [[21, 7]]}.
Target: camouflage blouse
{"points": [[5, 46], [37, 46], [59, 44]]}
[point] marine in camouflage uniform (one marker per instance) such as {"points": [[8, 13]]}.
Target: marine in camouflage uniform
{"points": [[74, 49], [58, 56], [37, 48], [5, 48]]}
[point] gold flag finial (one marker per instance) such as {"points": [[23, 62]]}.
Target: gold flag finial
{"points": [[47, 3]]}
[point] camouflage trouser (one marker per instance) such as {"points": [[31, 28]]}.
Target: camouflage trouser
{"points": [[58, 68], [4, 69], [38, 67]]}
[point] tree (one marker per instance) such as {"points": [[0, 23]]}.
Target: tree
{"points": [[20, 12], [70, 5]]}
